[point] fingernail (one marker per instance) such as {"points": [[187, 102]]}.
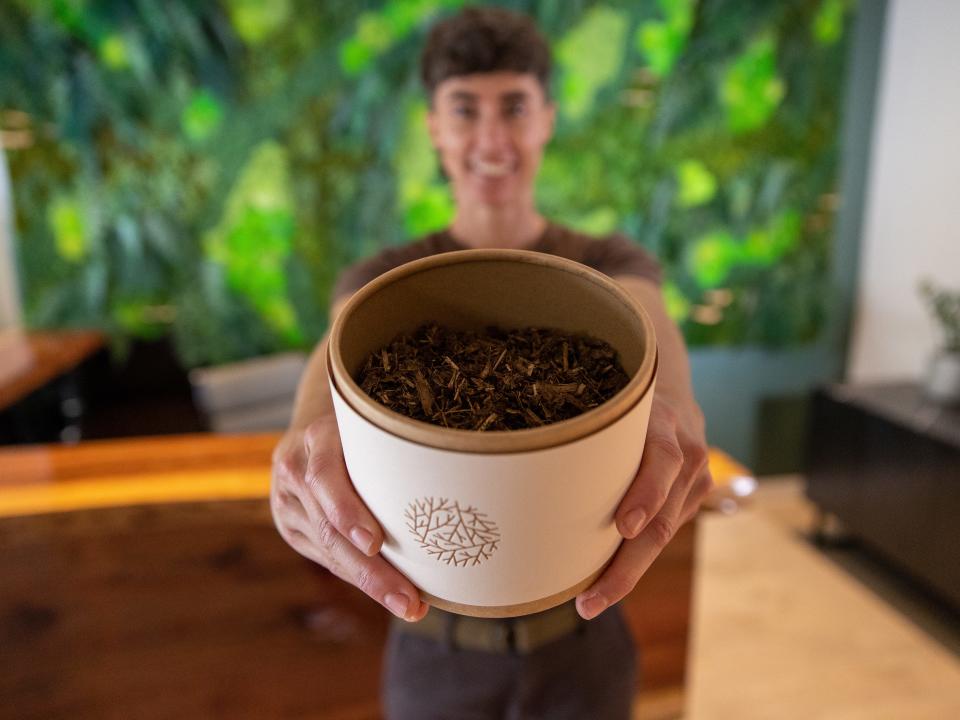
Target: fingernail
{"points": [[398, 604], [634, 521], [592, 605], [363, 539]]}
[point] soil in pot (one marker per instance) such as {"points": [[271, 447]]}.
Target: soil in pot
{"points": [[497, 379]]}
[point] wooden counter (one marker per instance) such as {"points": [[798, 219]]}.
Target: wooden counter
{"points": [[53, 353], [144, 578], [111, 473]]}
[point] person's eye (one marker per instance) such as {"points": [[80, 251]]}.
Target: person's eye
{"points": [[517, 109], [464, 111]]}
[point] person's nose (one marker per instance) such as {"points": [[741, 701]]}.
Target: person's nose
{"points": [[493, 136]]}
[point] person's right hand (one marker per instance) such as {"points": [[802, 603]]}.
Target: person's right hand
{"points": [[320, 515]]}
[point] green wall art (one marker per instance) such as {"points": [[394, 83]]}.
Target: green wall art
{"points": [[203, 170]]}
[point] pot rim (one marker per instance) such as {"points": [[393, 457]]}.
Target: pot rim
{"points": [[495, 441]]}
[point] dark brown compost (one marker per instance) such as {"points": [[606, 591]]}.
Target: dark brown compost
{"points": [[498, 379]]}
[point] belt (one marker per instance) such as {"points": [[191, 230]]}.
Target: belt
{"points": [[507, 636]]}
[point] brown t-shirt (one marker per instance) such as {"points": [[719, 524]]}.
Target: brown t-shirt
{"points": [[612, 255]]}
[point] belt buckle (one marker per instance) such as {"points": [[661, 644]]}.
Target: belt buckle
{"points": [[510, 636], [531, 634], [513, 636], [500, 637]]}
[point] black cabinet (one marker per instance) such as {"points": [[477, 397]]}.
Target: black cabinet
{"points": [[886, 462]]}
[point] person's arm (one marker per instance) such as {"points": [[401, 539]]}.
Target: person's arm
{"points": [[313, 399], [315, 507], [673, 478]]}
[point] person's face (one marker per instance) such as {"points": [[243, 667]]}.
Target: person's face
{"points": [[490, 130]]}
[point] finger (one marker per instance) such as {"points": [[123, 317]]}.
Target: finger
{"points": [[303, 525], [287, 481], [695, 470], [329, 484], [296, 529], [285, 504], [291, 502], [633, 558], [661, 463], [299, 536], [702, 488], [372, 575]]}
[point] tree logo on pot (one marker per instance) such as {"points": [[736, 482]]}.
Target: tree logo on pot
{"points": [[454, 535]]}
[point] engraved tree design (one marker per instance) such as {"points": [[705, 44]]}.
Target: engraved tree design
{"points": [[452, 534]]}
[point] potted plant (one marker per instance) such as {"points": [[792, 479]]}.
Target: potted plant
{"points": [[942, 382]]}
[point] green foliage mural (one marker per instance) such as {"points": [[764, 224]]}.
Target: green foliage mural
{"points": [[203, 170]]}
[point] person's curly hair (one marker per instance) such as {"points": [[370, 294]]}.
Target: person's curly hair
{"points": [[482, 40]]}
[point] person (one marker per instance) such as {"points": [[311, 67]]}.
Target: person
{"points": [[486, 72]]}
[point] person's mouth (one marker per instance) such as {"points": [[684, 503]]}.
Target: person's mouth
{"points": [[492, 168]]}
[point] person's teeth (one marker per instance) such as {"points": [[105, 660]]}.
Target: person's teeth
{"points": [[488, 168]]}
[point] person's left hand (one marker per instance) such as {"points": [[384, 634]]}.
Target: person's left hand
{"points": [[669, 487]]}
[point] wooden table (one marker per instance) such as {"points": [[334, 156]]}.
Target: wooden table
{"points": [[54, 353], [43, 384], [144, 578]]}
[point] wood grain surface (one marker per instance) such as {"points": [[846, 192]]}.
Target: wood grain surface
{"points": [[199, 609], [53, 354]]}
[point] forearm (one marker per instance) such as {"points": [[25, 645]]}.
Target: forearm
{"points": [[313, 399], [673, 371]]}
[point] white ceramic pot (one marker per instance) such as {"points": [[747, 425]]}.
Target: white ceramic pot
{"points": [[500, 523]]}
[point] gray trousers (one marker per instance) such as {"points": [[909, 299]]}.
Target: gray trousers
{"points": [[587, 675]]}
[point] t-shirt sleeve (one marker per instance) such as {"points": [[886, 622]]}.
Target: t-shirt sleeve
{"points": [[619, 255], [355, 276]]}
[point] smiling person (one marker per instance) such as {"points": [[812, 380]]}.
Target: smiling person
{"points": [[486, 72]]}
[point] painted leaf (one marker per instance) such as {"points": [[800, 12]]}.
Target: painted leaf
{"points": [[68, 224], [202, 116], [764, 246], [828, 22], [378, 31], [590, 56], [697, 185], [711, 257], [601, 221], [678, 307], [662, 41], [255, 20], [432, 210], [113, 52], [425, 203], [255, 236], [751, 91]]}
